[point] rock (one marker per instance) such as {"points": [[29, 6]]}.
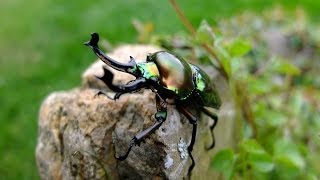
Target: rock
{"points": [[79, 133]]}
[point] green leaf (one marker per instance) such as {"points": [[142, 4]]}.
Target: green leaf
{"points": [[205, 34], [256, 156], [283, 66], [267, 117], [262, 85], [289, 161], [297, 101], [311, 176], [287, 154], [251, 146], [261, 161], [224, 162], [239, 47], [259, 85]]}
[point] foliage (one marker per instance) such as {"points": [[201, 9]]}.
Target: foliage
{"points": [[278, 100]]}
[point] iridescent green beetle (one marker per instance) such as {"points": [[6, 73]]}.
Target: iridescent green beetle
{"points": [[171, 78]]}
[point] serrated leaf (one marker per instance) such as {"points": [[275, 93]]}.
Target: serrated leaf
{"points": [[204, 34], [239, 47]]}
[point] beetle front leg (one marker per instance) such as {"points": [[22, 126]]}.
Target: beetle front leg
{"points": [[215, 119], [121, 89]]}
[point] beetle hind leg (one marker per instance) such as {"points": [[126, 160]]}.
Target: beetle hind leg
{"points": [[193, 120], [190, 148], [214, 117]]}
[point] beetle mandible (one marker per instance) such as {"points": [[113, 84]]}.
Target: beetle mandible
{"points": [[171, 78]]}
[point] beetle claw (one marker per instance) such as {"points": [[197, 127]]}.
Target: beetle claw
{"points": [[132, 143], [132, 60], [117, 96], [101, 93]]}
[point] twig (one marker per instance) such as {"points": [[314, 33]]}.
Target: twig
{"points": [[183, 18], [245, 105]]}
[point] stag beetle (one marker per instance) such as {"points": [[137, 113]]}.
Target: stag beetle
{"points": [[171, 78]]}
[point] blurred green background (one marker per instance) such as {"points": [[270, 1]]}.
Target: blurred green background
{"points": [[41, 51]]}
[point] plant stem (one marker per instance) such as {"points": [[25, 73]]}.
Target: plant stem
{"points": [[183, 18], [192, 30]]}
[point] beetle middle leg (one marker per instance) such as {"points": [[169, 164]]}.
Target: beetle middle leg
{"points": [[160, 116], [134, 85]]}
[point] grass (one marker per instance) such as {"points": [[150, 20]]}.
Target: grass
{"points": [[41, 51]]}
